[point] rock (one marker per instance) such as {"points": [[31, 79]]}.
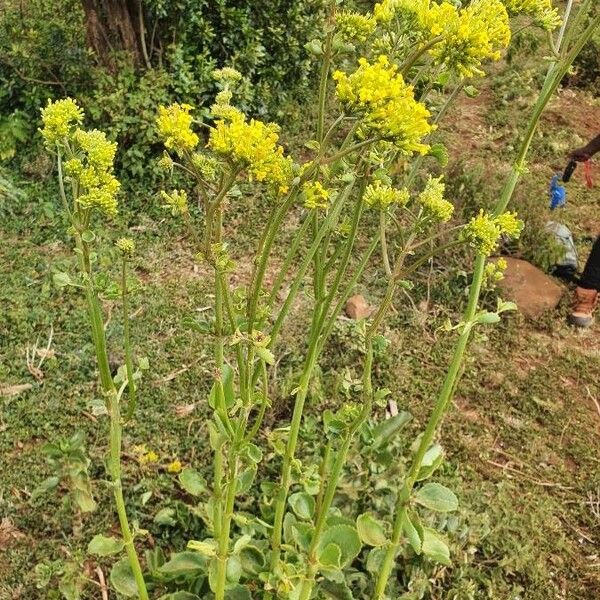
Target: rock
{"points": [[357, 307], [533, 291]]}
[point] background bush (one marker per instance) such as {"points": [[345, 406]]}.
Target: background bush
{"points": [[44, 54]]}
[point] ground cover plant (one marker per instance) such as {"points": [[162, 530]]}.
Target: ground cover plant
{"points": [[297, 541]]}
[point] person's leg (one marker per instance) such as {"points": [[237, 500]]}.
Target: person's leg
{"points": [[586, 294]]}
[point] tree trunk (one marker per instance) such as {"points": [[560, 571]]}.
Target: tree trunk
{"points": [[114, 25]]}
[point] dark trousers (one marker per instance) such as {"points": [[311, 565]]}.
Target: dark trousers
{"points": [[590, 278]]}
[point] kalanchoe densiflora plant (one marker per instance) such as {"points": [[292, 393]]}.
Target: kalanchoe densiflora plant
{"points": [[376, 121], [393, 74], [88, 190]]}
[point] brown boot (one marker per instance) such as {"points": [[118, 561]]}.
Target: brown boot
{"points": [[585, 302]]}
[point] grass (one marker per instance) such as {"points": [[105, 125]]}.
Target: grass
{"points": [[519, 442]]}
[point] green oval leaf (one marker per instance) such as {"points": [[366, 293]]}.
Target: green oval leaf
{"points": [[370, 530], [331, 556], [384, 431], [184, 563], [165, 516], [122, 579], [101, 545], [252, 559], [437, 497], [88, 236], [206, 547], [344, 536], [434, 547], [413, 530], [192, 482], [303, 505]]}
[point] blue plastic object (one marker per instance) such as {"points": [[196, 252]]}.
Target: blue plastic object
{"points": [[558, 194]]}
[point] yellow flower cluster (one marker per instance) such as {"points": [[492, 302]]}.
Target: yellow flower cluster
{"points": [[315, 196], [378, 92], [470, 36], [384, 11], [175, 466], [378, 195], [494, 271], [93, 170], [165, 162], [433, 201], [544, 14], [176, 201], [227, 75], [252, 145], [126, 246], [59, 119], [174, 124], [145, 456], [354, 26], [483, 231], [207, 166]]}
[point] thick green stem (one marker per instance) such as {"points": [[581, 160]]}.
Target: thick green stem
{"points": [[223, 554], [324, 79], [289, 259], [108, 388], [265, 246], [115, 473], [286, 469], [439, 410], [127, 342], [336, 472]]}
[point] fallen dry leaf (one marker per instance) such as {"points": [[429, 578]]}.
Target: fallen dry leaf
{"points": [[13, 390]]}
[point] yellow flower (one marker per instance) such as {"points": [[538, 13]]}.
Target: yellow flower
{"points": [[145, 456], [381, 196], [165, 162], [385, 11], [207, 166], [253, 146], [227, 75], [315, 196], [93, 170], [494, 271], [470, 36], [483, 231], [174, 124], [175, 466], [126, 246], [354, 26], [176, 201], [510, 224], [387, 105], [432, 200], [542, 11], [99, 150], [59, 119]]}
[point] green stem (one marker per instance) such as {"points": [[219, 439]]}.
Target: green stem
{"points": [[286, 469], [287, 263], [324, 79], [115, 473], [440, 407], [224, 535], [328, 223], [414, 57], [264, 252], [334, 477], [127, 342], [384, 249]]}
